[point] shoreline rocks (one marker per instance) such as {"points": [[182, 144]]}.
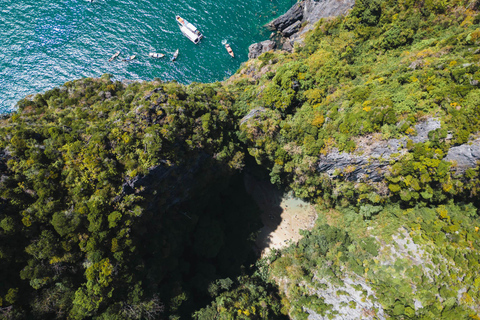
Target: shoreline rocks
{"points": [[256, 49], [300, 18], [293, 15]]}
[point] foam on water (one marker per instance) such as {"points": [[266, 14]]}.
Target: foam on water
{"points": [[45, 43]]}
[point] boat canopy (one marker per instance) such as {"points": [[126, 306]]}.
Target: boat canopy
{"points": [[189, 30], [195, 38]]}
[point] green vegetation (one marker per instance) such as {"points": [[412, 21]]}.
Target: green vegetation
{"points": [[127, 202], [435, 264], [125, 207], [376, 72]]}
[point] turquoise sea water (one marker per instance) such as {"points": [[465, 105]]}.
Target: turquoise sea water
{"points": [[45, 43]]}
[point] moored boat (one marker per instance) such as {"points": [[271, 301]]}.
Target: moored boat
{"points": [[156, 55], [189, 30], [115, 55], [129, 58], [175, 55], [229, 50]]}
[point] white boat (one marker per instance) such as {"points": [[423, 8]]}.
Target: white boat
{"points": [[156, 55], [129, 58], [116, 54], [229, 50], [189, 30], [175, 55]]}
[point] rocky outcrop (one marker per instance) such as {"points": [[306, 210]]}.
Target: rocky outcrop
{"points": [[315, 10], [375, 160], [294, 14], [464, 156], [287, 32], [423, 128], [351, 167], [299, 19], [252, 114], [353, 303], [256, 49]]}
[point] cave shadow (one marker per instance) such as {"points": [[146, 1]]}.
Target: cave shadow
{"points": [[210, 235]]}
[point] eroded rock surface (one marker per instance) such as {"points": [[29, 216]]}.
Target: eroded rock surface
{"points": [[299, 19], [374, 162], [465, 156], [257, 49], [351, 304], [293, 15]]}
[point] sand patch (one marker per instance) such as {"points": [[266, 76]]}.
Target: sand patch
{"points": [[283, 216]]}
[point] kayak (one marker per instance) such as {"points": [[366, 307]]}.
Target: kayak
{"points": [[114, 56], [175, 55]]}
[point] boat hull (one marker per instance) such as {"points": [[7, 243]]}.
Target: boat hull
{"points": [[229, 50], [156, 55]]}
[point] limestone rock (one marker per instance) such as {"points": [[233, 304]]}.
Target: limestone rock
{"points": [[288, 46], [374, 161], [256, 49], [253, 113], [287, 32], [423, 128], [465, 156], [314, 10], [352, 167], [294, 14]]}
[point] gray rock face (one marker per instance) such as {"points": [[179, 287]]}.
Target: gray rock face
{"points": [[423, 128], [288, 46], [290, 23], [287, 32], [374, 161], [253, 113], [352, 167], [465, 156], [315, 10], [342, 308], [293, 15], [256, 49]]}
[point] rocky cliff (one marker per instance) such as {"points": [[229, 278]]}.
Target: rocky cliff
{"points": [[296, 21], [465, 156], [377, 156]]}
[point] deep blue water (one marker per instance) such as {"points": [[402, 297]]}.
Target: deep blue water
{"points": [[45, 43]]}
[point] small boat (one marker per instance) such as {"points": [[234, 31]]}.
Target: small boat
{"points": [[156, 55], [114, 56], [189, 30], [175, 55], [229, 50], [129, 58]]}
